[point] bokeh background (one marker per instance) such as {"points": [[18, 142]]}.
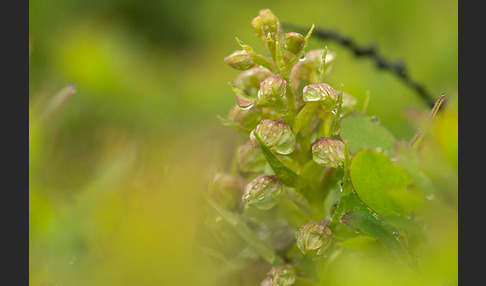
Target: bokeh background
{"points": [[115, 175]]}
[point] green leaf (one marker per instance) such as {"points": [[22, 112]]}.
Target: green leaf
{"points": [[263, 248], [361, 132], [361, 243], [367, 224], [282, 67], [377, 180], [284, 174]]}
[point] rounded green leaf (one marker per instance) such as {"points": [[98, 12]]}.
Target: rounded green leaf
{"points": [[362, 132], [376, 180]]}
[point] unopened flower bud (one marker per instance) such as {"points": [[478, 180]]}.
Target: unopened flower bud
{"points": [[249, 80], [269, 23], [293, 42], [276, 135], [225, 190], [250, 158], [328, 152], [272, 87], [246, 118], [313, 58], [314, 238], [239, 60], [263, 192], [282, 275], [321, 92], [257, 26]]}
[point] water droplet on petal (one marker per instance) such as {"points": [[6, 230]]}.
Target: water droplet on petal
{"points": [[244, 103]]}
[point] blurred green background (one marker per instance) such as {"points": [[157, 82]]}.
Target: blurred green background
{"points": [[115, 175]]}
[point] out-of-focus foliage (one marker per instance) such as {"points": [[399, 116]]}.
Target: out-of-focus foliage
{"points": [[115, 174]]}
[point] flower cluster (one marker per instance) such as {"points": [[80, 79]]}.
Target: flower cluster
{"points": [[290, 118]]}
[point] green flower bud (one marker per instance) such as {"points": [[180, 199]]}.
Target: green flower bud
{"points": [[321, 92], [249, 80], [328, 152], [282, 275], [239, 60], [313, 58], [272, 87], [225, 190], [250, 158], [263, 192], [246, 118], [293, 42], [271, 30], [257, 26], [269, 23], [314, 238], [276, 135]]}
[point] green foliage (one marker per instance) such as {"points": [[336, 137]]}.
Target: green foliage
{"points": [[115, 170], [348, 186]]}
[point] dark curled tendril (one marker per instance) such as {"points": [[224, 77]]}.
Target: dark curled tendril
{"points": [[398, 67]]}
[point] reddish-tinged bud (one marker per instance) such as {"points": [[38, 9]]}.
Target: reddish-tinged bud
{"points": [[282, 275], [276, 135], [263, 192], [313, 58], [249, 80], [328, 152], [246, 118], [314, 238], [272, 87], [321, 92], [239, 60]]}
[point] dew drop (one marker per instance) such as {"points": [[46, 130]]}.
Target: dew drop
{"points": [[379, 149], [375, 119], [246, 107]]}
